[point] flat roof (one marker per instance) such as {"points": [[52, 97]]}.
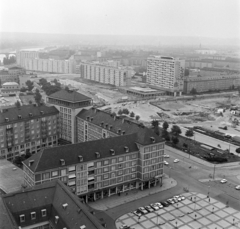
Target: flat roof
{"points": [[143, 89], [11, 177]]}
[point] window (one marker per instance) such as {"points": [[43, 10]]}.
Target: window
{"points": [[105, 169], [72, 168], [46, 176], [120, 159], [114, 160], [44, 212], [63, 172], [106, 162], [22, 218], [33, 215], [105, 176], [54, 173]]}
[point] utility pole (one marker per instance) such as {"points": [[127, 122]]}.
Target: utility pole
{"points": [[214, 171]]}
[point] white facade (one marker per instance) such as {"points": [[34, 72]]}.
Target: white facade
{"points": [[106, 74], [166, 73]]}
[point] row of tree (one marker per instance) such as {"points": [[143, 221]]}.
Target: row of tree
{"points": [[127, 112], [48, 87], [9, 60]]}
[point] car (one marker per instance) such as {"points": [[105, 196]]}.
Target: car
{"points": [[165, 163], [124, 226], [182, 197], [143, 210], [175, 200], [159, 204], [170, 201], [164, 203], [178, 198], [237, 187], [223, 181], [154, 207], [166, 155], [137, 213], [176, 161], [149, 209]]}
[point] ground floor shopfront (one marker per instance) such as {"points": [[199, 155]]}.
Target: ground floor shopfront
{"points": [[121, 189]]}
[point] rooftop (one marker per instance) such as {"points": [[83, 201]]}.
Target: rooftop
{"points": [[50, 196], [10, 84], [141, 89], [71, 96], [25, 112]]}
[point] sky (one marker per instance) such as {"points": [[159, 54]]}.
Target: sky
{"points": [[202, 18]]}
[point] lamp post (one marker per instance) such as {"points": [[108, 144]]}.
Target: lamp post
{"points": [[176, 224], [208, 192], [233, 221], [212, 209], [214, 171]]}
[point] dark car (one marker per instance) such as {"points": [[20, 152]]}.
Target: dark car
{"points": [[164, 203]]}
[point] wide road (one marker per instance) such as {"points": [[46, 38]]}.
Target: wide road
{"points": [[187, 174]]}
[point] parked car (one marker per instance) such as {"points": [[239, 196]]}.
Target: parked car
{"points": [[170, 201], [166, 155], [159, 204], [223, 181], [237, 187], [164, 203], [143, 210], [182, 197], [165, 163], [149, 208], [124, 226], [176, 161], [154, 207], [137, 213]]}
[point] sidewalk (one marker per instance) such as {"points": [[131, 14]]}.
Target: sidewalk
{"points": [[132, 195]]}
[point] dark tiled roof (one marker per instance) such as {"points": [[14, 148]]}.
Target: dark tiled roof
{"points": [[53, 194], [49, 158], [24, 111], [118, 123], [71, 96]]}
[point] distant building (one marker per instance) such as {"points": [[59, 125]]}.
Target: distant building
{"points": [[48, 206], [211, 83], [107, 73], [166, 73], [206, 51], [68, 103], [218, 72], [16, 71], [28, 128], [10, 88], [6, 77]]}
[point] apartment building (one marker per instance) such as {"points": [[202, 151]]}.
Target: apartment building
{"points": [[101, 168], [211, 83], [107, 73], [68, 103], [23, 54], [48, 206], [166, 73], [28, 128]]}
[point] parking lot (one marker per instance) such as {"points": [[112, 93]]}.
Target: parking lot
{"points": [[195, 211]]}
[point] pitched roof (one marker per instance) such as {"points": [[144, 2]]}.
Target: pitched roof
{"points": [[24, 111], [53, 194], [71, 96], [118, 123], [49, 158]]}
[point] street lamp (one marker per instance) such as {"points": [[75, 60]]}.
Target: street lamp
{"points": [[214, 171], [212, 209], [208, 192], [233, 221], [176, 224], [195, 217]]}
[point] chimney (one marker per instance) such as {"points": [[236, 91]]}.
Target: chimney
{"points": [[97, 154], [112, 151], [119, 131], [80, 157], [106, 125], [91, 119], [152, 139], [126, 149], [123, 132], [62, 161], [87, 118]]}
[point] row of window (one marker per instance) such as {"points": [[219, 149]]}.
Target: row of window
{"points": [[33, 215]]}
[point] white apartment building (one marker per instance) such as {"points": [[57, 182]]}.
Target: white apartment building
{"points": [[166, 73], [106, 73], [22, 55]]}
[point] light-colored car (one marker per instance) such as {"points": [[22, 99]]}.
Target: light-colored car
{"points": [[237, 187], [166, 155], [154, 206], [165, 163], [143, 210], [223, 181], [159, 205], [176, 161]]}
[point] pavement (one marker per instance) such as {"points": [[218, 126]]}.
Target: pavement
{"points": [[196, 211], [133, 195]]}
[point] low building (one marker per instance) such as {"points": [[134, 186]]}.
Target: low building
{"points": [[10, 88], [28, 128], [16, 71], [205, 84], [107, 161], [144, 93], [6, 77], [48, 206]]}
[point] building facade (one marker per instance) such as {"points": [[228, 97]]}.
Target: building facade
{"points": [[166, 73], [106, 73], [27, 129], [10, 88], [101, 168], [68, 103], [213, 83]]}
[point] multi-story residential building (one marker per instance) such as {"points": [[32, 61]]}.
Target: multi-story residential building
{"points": [[49, 206], [68, 103], [28, 128], [218, 72], [10, 88], [6, 77], [101, 168], [23, 54], [211, 83], [16, 71], [106, 73], [166, 73]]}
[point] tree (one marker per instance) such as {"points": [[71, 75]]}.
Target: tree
{"points": [[120, 112], [125, 111], [155, 123], [114, 114], [189, 133], [176, 130], [137, 117], [29, 85], [175, 140], [165, 125], [28, 154], [132, 114], [17, 160], [30, 102], [18, 104], [67, 88], [165, 135], [38, 97], [193, 91], [23, 89]]}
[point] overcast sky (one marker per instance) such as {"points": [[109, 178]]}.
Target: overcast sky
{"points": [[208, 18]]}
